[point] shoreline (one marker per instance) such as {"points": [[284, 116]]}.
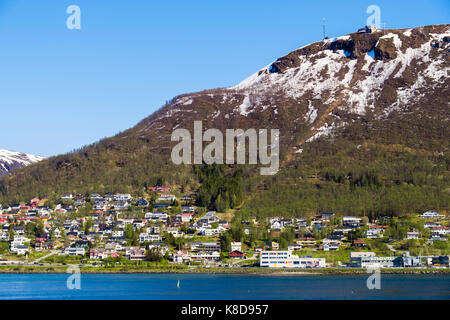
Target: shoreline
{"points": [[254, 272]]}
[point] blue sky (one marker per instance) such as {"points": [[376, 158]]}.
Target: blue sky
{"points": [[61, 89]]}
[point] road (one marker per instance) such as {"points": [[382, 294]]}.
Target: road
{"points": [[46, 256], [391, 248]]}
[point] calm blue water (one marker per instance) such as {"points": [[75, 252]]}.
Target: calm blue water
{"points": [[214, 287]]}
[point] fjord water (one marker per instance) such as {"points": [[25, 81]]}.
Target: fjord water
{"points": [[214, 287]]}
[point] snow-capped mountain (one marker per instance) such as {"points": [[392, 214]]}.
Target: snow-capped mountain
{"points": [[322, 87], [11, 160], [387, 88]]}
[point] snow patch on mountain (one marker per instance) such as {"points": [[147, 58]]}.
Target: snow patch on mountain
{"points": [[395, 38], [311, 115], [245, 105]]}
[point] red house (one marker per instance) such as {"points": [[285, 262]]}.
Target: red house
{"points": [[236, 255], [34, 203], [276, 233], [158, 188]]}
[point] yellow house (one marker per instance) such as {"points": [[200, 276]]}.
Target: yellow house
{"points": [[306, 242], [275, 245]]}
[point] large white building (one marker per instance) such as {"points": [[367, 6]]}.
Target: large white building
{"points": [[370, 260], [285, 259], [205, 255]]}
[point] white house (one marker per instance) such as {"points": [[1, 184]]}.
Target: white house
{"points": [[331, 246], [206, 255], [167, 197], [440, 230], [20, 249], [99, 207], [431, 215], [350, 221], [121, 205], [186, 217], [159, 216], [436, 237], [431, 224], [209, 231], [117, 234], [20, 239], [145, 237], [276, 225], [95, 196], [236, 246], [136, 254], [181, 256], [4, 236], [375, 232], [122, 197], [139, 223], [175, 232], [412, 235], [74, 251], [294, 247], [158, 245]]}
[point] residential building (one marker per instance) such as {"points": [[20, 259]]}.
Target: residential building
{"points": [[285, 259], [412, 235], [431, 215], [146, 237], [167, 197], [236, 246], [236, 255], [122, 197], [206, 255], [369, 260], [75, 251], [181, 256]]}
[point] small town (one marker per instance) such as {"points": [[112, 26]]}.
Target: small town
{"points": [[165, 230]]}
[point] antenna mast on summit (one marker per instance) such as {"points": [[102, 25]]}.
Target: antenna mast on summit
{"points": [[324, 35]]}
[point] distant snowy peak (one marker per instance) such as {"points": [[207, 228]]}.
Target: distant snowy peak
{"points": [[12, 160]]}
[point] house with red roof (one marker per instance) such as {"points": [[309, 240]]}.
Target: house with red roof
{"points": [[236, 255]]}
